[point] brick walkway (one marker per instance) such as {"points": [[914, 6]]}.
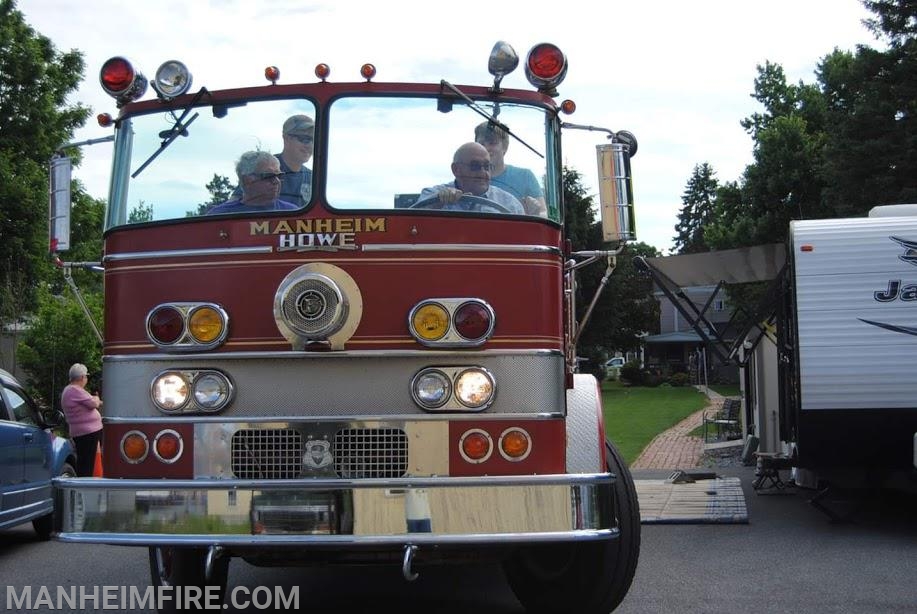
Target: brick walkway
{"points": [[674, 449]]}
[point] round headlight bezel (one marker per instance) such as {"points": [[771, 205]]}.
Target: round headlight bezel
{"points": [[463, 381], [224, 383], [436, 375], [157, 392]]}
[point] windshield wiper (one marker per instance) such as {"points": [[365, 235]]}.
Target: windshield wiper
{"points": [[179, 128], [489, 117]]}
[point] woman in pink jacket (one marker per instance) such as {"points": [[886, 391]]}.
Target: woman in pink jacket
{"points": [[82, 412]]}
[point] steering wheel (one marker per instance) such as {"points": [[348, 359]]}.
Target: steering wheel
{"points": [[479, 202]]}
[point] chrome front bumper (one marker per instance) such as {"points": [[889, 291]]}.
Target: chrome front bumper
{"points": [[333, 512]]}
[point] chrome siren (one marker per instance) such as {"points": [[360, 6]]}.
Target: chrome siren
{"points": [[317, 303]]}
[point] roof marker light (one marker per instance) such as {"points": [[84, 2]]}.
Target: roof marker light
{"points": [[322, 71], [368, 71], [272, 74], [105, 120]]}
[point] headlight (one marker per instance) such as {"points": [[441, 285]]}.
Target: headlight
{"points": [[212, 391], [431, 388], [474, 388], [453, 388], [180, 391], [170, 391]]}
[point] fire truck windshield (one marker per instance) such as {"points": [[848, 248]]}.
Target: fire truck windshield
{"points": [[392, 153]]}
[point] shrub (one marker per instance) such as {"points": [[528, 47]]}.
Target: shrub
{"points": [[633, 374], [680, 379]]}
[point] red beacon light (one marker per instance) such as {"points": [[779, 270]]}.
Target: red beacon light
{"points": [[322, 71], [120, 81], [272, 74], [368, 71], [546, 67]]}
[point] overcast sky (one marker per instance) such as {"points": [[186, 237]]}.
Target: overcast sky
{"points": [[678, 74]]}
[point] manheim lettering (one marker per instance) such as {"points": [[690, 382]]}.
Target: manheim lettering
{"points": [[325, 226]]}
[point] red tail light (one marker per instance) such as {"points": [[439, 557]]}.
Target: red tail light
{"points": [[472, 321], [165, 324]]}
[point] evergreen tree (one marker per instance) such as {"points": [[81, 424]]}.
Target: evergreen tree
{"points": [[697, 210]]}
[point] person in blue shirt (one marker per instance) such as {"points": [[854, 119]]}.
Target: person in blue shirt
{"points": [[471, 168], [259, 179], [520, 182]]}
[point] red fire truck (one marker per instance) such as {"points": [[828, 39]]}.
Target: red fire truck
{"points": [[370, 374]]}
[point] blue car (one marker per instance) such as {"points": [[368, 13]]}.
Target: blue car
{"points": [[30, 455]]}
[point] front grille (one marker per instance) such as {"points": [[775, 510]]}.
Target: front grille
{"points": [[267, 454], [370, 453]]}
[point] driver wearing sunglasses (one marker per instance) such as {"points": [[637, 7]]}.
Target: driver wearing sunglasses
{"points": [[471, 169], [298, 144], [259, 179]]}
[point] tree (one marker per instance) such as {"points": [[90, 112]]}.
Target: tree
{"points": [[220, 188], [697, 211], [785, 180], [59, 336], [35, 80], [141, 213]]}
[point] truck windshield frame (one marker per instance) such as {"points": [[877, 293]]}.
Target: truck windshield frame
{"points": [[368, 154]]}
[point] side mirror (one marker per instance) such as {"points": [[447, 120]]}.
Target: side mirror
{"points": [[59, 206], [52, 418], [615, 190]]}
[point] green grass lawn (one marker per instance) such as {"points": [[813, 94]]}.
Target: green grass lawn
{"points": [[727, 390], [633, 415]]}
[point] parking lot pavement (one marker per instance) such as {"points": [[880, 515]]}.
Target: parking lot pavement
{"points": [[789, 557]]}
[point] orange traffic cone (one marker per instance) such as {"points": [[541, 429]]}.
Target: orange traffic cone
{"points": [[97, 468]]}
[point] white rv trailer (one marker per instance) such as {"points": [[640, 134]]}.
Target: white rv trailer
{"points": [[850, 331], [829, 382]]}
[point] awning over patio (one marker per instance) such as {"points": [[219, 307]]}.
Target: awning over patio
{"points": [[676, 337]]}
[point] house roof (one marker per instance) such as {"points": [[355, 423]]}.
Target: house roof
{"points": [[675, 337]]}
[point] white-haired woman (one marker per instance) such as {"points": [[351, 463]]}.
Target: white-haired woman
{"points": [[82, 411]]}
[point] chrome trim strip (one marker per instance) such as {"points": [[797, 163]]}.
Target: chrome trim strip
{"points": [[459, 247], [387, 419], [182, 253], [328, 355], [484, 539], [322, 484]]}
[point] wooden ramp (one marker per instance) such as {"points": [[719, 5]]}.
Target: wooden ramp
{"points": [[715, 501]]}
